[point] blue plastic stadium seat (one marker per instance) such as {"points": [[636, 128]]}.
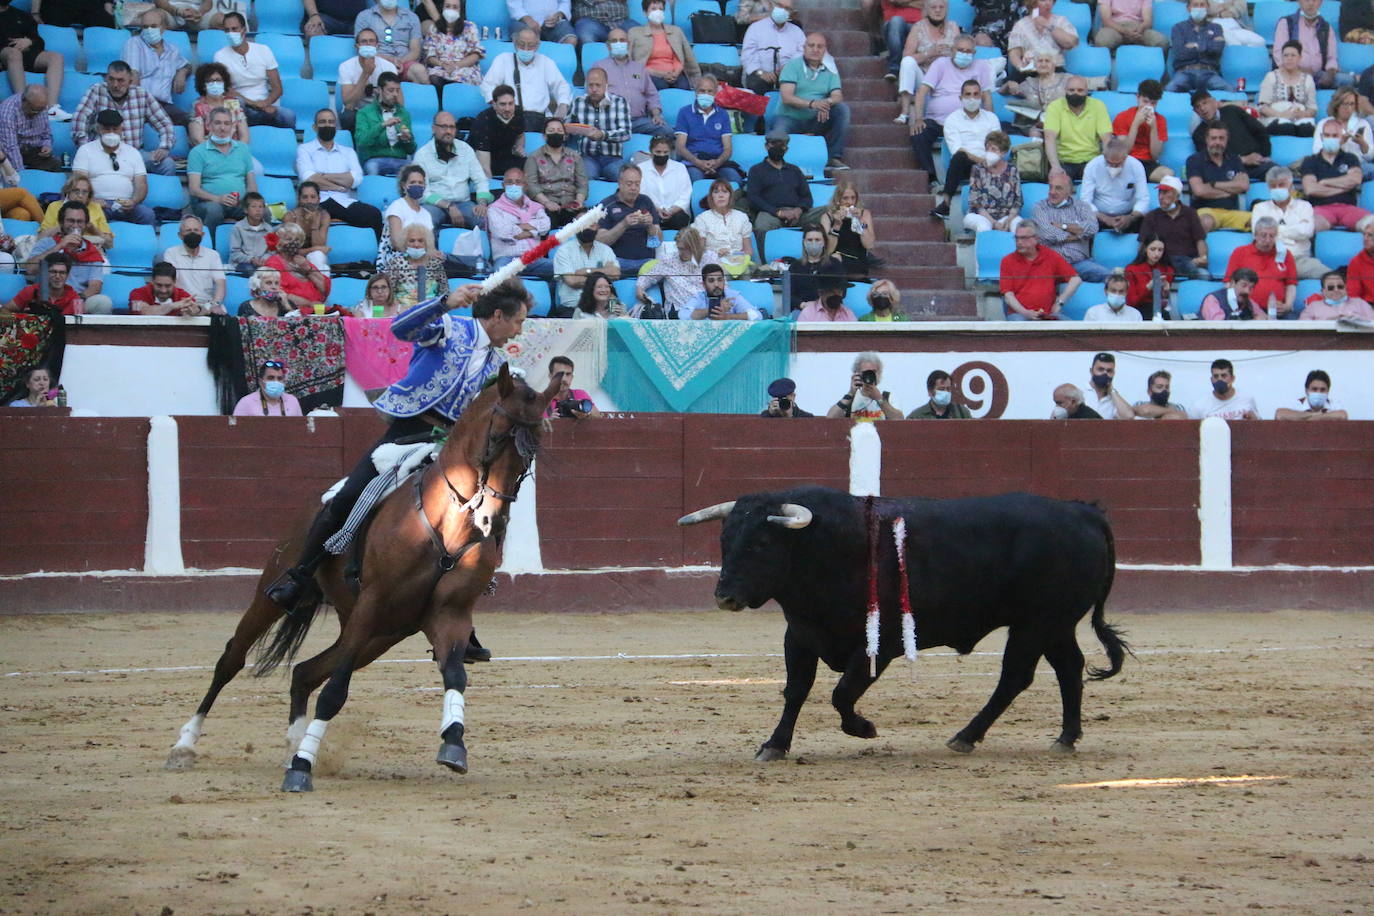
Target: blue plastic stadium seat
{"points": [[961, 11], [449, 237], [463, 101], [717, 54], [807, 153], [63, 40], [591, 53], [856, 297], [1177, 108], [563, 55], [208, 41], [181, 144], [347, 291], [1112, 249], [1192, 292], [1251, 64], [759, 295], [37, 181], [1116, 102], [167, 237], [135, 247], [1268, 13], [1088, 60], [18, 227], [102, 45], [749, 151], [1167, 14], [163, 191], [1135, 63], [11, 284], [782, 243], [236, 292], [1085, 297], [287, 48], [1366, 195], [989, 249], [275, 148], [304, 97], [1288, 150], [1176, 151], [1336, 248], [543, 298], [1220, 244], [327, 52], [422, 101], [491, 14], [351, 243], [1354, 58], [1079, 15], [494, 49], [598, 190], [821, 193], [279, 191], [1031, 192], [223, 233], [282, 18], [119, 286], [673, 101], [682, 11]]}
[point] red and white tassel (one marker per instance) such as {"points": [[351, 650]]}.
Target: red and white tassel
{"points": [[908, 618]]}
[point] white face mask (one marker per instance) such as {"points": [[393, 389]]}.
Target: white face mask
{"points": [[450, 15], [1115, 170], [972, 105], [992, 156], [656, 17], [620, 48], [110, 140], [214, 88], [234, 38]]}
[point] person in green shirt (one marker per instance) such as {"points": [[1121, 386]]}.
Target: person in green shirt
{"points": [[812, 102], [884, 298], [1076, 129], [941, 405], [382, 135]]}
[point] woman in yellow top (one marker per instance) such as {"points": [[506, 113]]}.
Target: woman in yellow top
{"points": [[78, 188], [663, 50]]}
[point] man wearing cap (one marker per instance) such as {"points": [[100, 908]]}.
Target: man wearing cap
{"points": [[138, 108], [119, 179], [717, 302], [782, 402], [1246, 137], [1180, 229]]}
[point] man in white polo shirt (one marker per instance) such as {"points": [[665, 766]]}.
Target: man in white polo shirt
{"points": [[119, 179]]}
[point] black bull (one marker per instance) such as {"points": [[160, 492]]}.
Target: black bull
{"points": [[1028, 563]]}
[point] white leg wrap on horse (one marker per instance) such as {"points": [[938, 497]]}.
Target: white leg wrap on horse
{"points": [[310, 744], [453, 709], [190, 732]]}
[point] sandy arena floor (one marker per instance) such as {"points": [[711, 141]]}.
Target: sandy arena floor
{"points": [[627, 783]]}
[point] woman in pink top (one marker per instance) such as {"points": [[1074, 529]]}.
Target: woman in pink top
{"points": [[829, 304], [271, 399], [1333, 303]]}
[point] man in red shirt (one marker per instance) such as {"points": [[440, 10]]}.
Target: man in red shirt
{"points": [[1030, 276], [60, 295], [1359, 276], [1146, 128], [1278, 279], [162, 296]]}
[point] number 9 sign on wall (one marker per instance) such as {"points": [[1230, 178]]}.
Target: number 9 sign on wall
{"points": [[982, 388]]}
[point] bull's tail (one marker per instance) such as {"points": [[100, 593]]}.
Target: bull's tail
{"points": [[1110, 636]]}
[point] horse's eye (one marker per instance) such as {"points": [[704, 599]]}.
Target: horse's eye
{"points": [[530, 395]]}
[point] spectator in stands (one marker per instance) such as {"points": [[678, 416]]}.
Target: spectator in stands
{"points": [[455, 177], [628, 79], [540, 89], [1357, 23], [1360, 272], [884, 298], [1195, 47], [965, 131], [548, 20], [813, 264], [930, 39], [1029, 278], [248, 239], [1357, 138], [631, 221], [136, 106], [88, 265], [1066, 225], [302, 283], [1180, 228], [26, 133], [777, 189], [358, 76], [599, 20], [1157, 405], [1288, 96], [379, 301], [384, 138], [1041, 31], [568, 401], [1127, 22], [1316, 403], [400, 34], [897, 17], [1115, 308], [1149, 277], [993, 21], [162, 296], [829, 302], [78, 188], [717, 301], [199, 267], [667, 184], [61, 296], [515, 224], [336, 171], [1225, 401], [219, 172], [417, 270], [37, 387], [331, 17], [1246, 138], [1295, 221], [453, 51], [1076, 129], [704, 139], [1219, 180], [940, 95], [769, 44], [1331, 182], [405, 210], [663, 49], [1236, 301], [271, 398], [1068, 404], [602, 120], [1334, 302], [157, 64], [1146, 128], [574, 263], [267, 299], [848, 228], [865, 401], [1101, 394], [1236, 27], [1316, 41], [994, 196], [940, 405], [1114, 184], [556, 177], [782, 400], [1275, 268], [1038, 91], [812, 101], [314, 222], [254, 73], [598, 300], [68, 13], [498, 133], [215, 86], [207, 14], [116, 171], [23, 52], [678, 268]]}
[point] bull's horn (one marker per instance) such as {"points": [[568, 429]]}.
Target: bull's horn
{"points": [[793, 516], [719, 510]]}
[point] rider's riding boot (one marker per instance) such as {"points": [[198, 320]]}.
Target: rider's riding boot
{"points": [[476, 652], [299, 580]]}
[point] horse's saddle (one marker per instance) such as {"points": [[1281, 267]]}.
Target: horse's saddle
{"points": [[394, 463]]}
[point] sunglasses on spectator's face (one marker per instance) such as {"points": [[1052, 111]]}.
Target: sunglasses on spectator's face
{"points": [[272, 364], [1335, 286]]}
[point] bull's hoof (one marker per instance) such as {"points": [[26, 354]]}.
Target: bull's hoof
{"points": [[181, 758], [453, 756], [859, 727], [298, 781], [768, 754], [1063, 747], [959, 745]]}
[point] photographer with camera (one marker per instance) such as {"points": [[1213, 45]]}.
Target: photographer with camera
{"points": [[781, 401], [865, 401], [570, 403]]}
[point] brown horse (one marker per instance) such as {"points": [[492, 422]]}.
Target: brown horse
{"points": [[431, 549]]}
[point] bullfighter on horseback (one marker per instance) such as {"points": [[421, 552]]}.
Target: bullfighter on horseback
{"points": [[452, 360]]}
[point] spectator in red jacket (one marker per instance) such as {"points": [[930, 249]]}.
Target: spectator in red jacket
{"points": [[162, 296]]}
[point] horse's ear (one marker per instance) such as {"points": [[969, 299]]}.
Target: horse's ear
{"points": [[504, 383]]}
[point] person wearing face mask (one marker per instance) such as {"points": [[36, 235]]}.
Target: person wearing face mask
{"points": [[940, 404], [966, 132], [994, 194], [1102, 395], [399, 32], [358, 76], [1331, 182], [336, 171], [574, 262], [667, 184], [1157, 405], [303, 285], [940, 95], [768, 46], [408, 208], [663, 49], [1316, 403], [417, 270], [602, 122], [216, 89], [219, 172], [627, 78], [1236, 301], [1180, 229], [1041, 31], [1295, 218], [829, 303], [1224, 400], [271, 399], [540, 89], [1077, 129], [598, 20], [930, 39], [1114, 184], [383, 135], [158, 66], [885, 299], [199, 267], [1066, 226], [1068, 404], [256, 76], [516, 223], [138, 109], [1335, 302], [778, 192], [705, 138], [556, 177], [550, 20], [453, 51], [162, 296], [118, 178], [1115, 309], [1195, 47], [1316, 39]]}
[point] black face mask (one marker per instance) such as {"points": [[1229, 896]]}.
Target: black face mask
{"points": [[587, 236], [326, 134], [833, 302], [1102, 380], [777, 153], [882, 303], [661, 161], [192, 239], [1075, 100], [554, 140], [1160, 398]]}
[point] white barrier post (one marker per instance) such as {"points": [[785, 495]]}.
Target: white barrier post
{"points": [[162, 547], [1214, 492], [865, 460], [522, 553]]}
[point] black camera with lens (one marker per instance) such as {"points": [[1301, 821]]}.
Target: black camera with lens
{"points": [[569, 407], [868, 377], [784, 405]]}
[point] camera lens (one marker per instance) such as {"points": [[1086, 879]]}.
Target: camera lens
{"points": [[784, 404], [868, 377]]}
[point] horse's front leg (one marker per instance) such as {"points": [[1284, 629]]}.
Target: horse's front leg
{"points": [[451, 645]]}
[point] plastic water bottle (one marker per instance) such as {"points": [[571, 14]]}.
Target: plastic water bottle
{"points": [[481, 265], [61, 396], [486, 33], [1273, 308]]}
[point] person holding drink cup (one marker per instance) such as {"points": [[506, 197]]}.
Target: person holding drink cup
{"points": [[219, 172], [380, 301]]}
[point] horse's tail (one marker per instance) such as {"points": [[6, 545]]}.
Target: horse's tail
{"points": [[1109, 635], [286, 640]]}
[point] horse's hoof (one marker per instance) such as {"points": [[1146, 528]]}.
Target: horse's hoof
{"points": [[859, 727], [959, 745], [768, 754], [1061, 747], [297, 781], [181, 758], [453, 756]]}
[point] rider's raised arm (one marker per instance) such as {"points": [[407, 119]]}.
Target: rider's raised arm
{"points": [[423, 324]]}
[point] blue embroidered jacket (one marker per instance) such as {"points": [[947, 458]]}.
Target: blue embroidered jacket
{"points": [[445, 349]]}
